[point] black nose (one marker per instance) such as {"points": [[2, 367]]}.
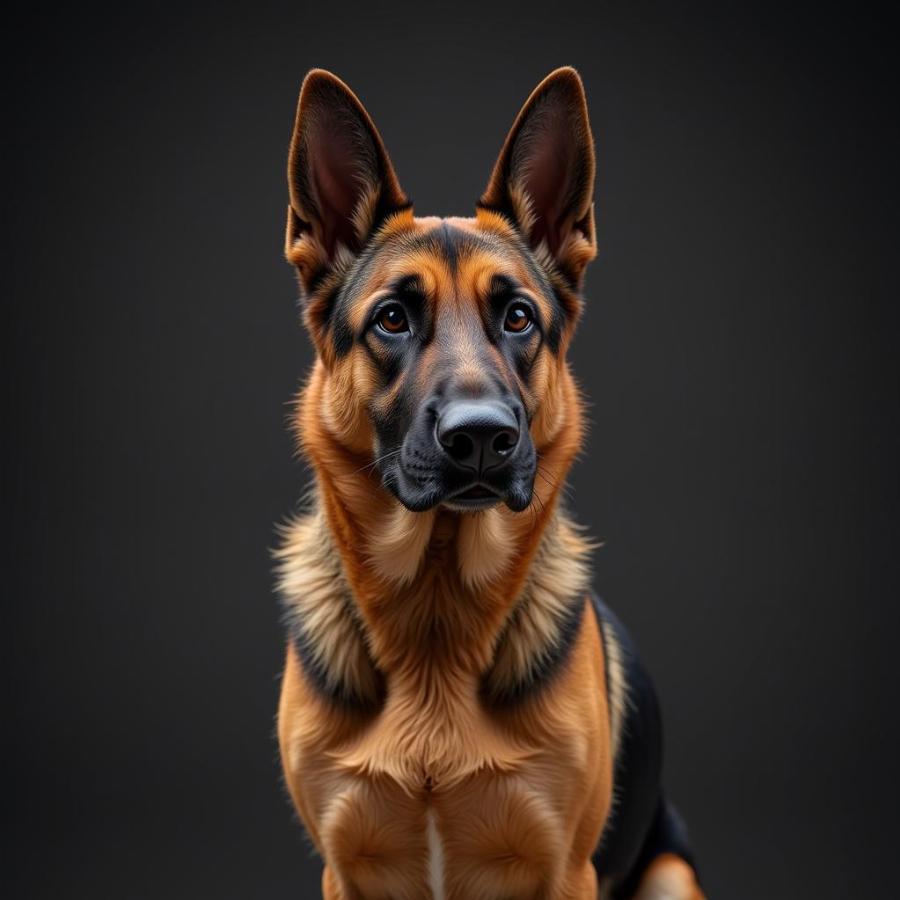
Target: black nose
{"points": [[478, 434]]}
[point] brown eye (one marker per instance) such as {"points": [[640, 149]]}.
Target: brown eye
{"points": [[518, 318], [392, 319]]}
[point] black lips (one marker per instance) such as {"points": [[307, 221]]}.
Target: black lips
{"points": [[469, 453]]}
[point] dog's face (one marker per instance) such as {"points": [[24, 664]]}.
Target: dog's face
{"points": [[442, 341]]}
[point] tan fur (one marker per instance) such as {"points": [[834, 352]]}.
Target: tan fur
{"points": [[483, 550], [669, 878], [509, 796], [426, 788], [319, 602], [559, 572], [522, 204], [617, 688], [397, 549], [433, 743]]}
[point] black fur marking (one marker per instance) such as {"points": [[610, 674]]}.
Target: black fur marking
{"points": [[642, 824], [340, 694], [315, 280], [524, 364], [501, 292], [503, 288], [342, 337], [384, 212], [391, 362], [545, 666], [447, 240], [554, 332], [391, 425], [341, 334], [498, 210]]}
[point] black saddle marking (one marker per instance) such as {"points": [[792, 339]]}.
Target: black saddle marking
{"points": [[642, 824]]}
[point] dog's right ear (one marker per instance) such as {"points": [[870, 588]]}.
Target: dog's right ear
{"points": [[341, 181]]}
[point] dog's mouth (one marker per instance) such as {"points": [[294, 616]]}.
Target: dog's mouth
{"points": [[421, 481], [476, 496]]}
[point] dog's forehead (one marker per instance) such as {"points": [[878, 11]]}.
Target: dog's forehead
{"points": [[467, 248], [449, 260]]}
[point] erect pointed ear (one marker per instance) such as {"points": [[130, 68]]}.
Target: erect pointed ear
{"points": [[544, 177], [340, 178]]}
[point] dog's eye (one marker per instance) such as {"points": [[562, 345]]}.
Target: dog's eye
{"points": [[518, 318], [392, 319]]}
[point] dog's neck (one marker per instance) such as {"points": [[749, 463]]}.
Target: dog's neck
{"points": [[375, 593]]}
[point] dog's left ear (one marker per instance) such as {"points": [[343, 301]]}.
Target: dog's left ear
{"points": [[544, 177], [341, 181]]}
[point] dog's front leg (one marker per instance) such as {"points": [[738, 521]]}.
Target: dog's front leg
{"points": [[332, 888], [669, 876], [583, 883]]}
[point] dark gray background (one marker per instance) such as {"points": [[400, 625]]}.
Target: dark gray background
{"points": [[738, 349]]}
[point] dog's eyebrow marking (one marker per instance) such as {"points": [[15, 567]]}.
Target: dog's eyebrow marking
{"points": [[502, 288], [451, 244], [503, 285], [409, 287], [540, 289], [349, 291]]}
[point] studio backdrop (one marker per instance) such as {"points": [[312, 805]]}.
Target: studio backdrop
{"points": [[738, 351]]}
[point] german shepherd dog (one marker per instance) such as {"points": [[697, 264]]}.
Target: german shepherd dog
{"points": [[460, 718]]}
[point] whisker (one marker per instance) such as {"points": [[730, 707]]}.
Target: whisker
{"points": [[533, 509], [373, 464], [565, 487]]}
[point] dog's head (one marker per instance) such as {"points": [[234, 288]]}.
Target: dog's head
{"points": [[442, 342]]}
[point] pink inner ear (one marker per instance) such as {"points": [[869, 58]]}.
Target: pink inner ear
{"points": [[335, 177]]}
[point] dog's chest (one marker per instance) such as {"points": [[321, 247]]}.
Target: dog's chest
{"points": [[490, 835], [450, 807], [437, 794]]}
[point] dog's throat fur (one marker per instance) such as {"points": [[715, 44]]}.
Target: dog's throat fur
{"points": [[498, 630]]}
